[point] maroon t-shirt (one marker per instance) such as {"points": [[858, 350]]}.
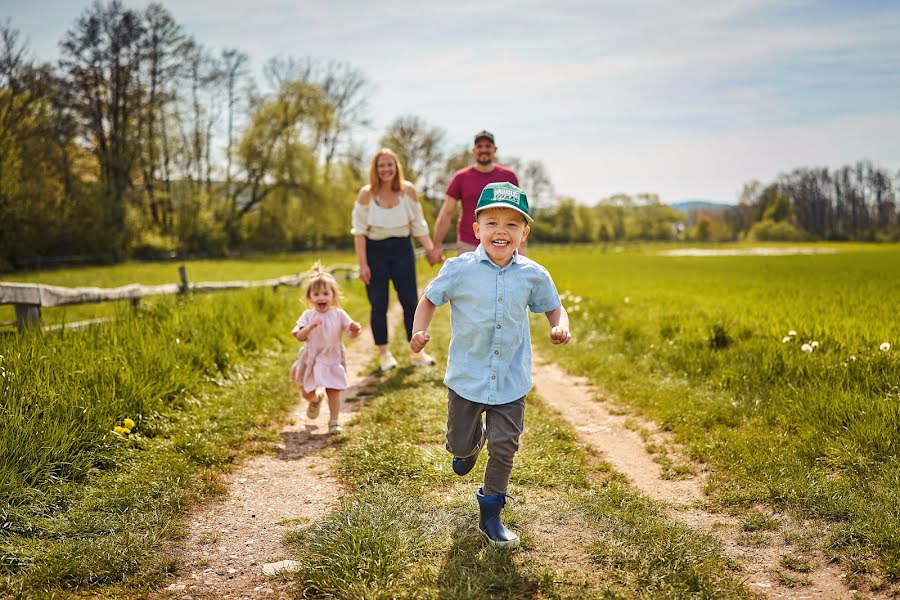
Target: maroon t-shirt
{"points": [[466, 186]]}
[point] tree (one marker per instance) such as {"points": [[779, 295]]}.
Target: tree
{"points": [[102, 58], [419, 147], [164, 45], [272, 153], [343, 87], [235, 70]]}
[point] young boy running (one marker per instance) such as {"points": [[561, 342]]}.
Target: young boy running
{"points": [[489, 364]]}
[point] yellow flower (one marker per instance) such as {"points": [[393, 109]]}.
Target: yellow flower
{"points": [[121, 430], [128, 423]]}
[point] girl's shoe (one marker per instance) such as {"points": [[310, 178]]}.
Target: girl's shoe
{"points": [[421, 359], [387, 362], [334, 427], [312, 411]]}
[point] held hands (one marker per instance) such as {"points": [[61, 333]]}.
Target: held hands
{"points": [[560, 335], [355, 328], [434, 256], [418, 341]]}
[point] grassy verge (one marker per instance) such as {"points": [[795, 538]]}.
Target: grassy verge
{"points": [[696, 344], [409, 527], [86, 507]]}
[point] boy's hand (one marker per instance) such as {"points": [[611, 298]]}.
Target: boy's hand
{"points": [[355, 328], [418, 341], [560, 335]]}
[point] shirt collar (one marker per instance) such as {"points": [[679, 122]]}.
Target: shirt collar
{"points": [[482, 255]]}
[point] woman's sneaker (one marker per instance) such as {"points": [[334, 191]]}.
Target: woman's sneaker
{"points": [[387, 362], [421, 359], [312, 411]]}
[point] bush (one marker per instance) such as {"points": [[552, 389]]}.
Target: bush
{"points": [[771, 231]]}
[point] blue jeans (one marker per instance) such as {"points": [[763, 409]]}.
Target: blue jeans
{"points": [[389, 260]]}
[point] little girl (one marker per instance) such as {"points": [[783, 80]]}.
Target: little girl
{"points": [[322, 362]]}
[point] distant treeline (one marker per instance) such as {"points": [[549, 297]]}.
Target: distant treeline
{"points": [[859, 202], [142, 141]]}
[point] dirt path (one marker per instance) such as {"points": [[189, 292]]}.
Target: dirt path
{"points": [[230, 540], [614, 436]]}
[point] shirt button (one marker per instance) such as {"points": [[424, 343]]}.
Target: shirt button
{"points": [[498, 327], [500, 299], [493, 377], [496, 353]]}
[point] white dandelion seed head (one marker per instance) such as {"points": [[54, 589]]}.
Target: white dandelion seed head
{"points": [[786, 339], [576, 299], [806, 348], [885, 347], [627, 299], [814, 344], [792, 332], [852, 358], [177, 340]]}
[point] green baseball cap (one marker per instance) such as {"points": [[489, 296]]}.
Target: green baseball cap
{"points": [[504, 195]]}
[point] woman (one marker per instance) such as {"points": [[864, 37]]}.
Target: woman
{"points": [[386, 214]]}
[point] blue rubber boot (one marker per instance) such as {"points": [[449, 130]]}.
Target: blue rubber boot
{"points": [[490, 525], [461, 466]]}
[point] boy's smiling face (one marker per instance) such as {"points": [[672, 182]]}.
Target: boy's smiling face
{"points": [[501, 231]]}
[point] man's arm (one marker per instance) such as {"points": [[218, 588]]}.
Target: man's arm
{"points": [[424, 315], [442, 225], [559, 325]]}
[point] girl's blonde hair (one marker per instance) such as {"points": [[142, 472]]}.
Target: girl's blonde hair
{"points": [[375, 182], [317, 277]]}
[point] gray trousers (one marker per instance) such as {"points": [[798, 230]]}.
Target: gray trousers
{"points": [[504, 423]]}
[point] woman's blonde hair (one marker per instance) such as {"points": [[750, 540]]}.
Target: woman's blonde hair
{"points": [[375, 182], [317, 277]]}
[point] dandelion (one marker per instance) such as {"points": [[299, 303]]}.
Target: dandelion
{"points": [[885, 347], [177, 340], [792, 333], [806, 348], [121, 430], [577, 299], [814, 344], [627, 299], [128, 423], [786, 339], [852, 358]]}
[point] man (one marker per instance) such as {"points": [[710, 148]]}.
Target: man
{"points": [[466, 188]]}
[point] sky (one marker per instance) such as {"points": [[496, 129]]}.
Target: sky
{"points": [[687, 100]]}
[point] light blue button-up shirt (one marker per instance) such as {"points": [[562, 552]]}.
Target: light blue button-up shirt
{"points": [[490, 346]]}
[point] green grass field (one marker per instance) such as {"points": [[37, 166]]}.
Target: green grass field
{"points": [[693, 343], [696, 344], [200, 376]]}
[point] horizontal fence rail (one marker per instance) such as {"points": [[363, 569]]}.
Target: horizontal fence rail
{"points": [[29, 298]]}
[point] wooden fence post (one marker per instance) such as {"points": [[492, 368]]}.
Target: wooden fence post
{"points": [[182, 273], [27, 314]]}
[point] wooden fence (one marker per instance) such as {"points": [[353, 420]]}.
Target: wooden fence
{"points": [[29, 298]]}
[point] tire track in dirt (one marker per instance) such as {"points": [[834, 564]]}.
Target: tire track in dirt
{"points": [[231, 538], [580, 403]]}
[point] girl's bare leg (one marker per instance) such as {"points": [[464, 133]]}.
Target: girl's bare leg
{"points": [[334, 402]]}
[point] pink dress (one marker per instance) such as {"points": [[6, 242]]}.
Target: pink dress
{"points": [[322, 361]]}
